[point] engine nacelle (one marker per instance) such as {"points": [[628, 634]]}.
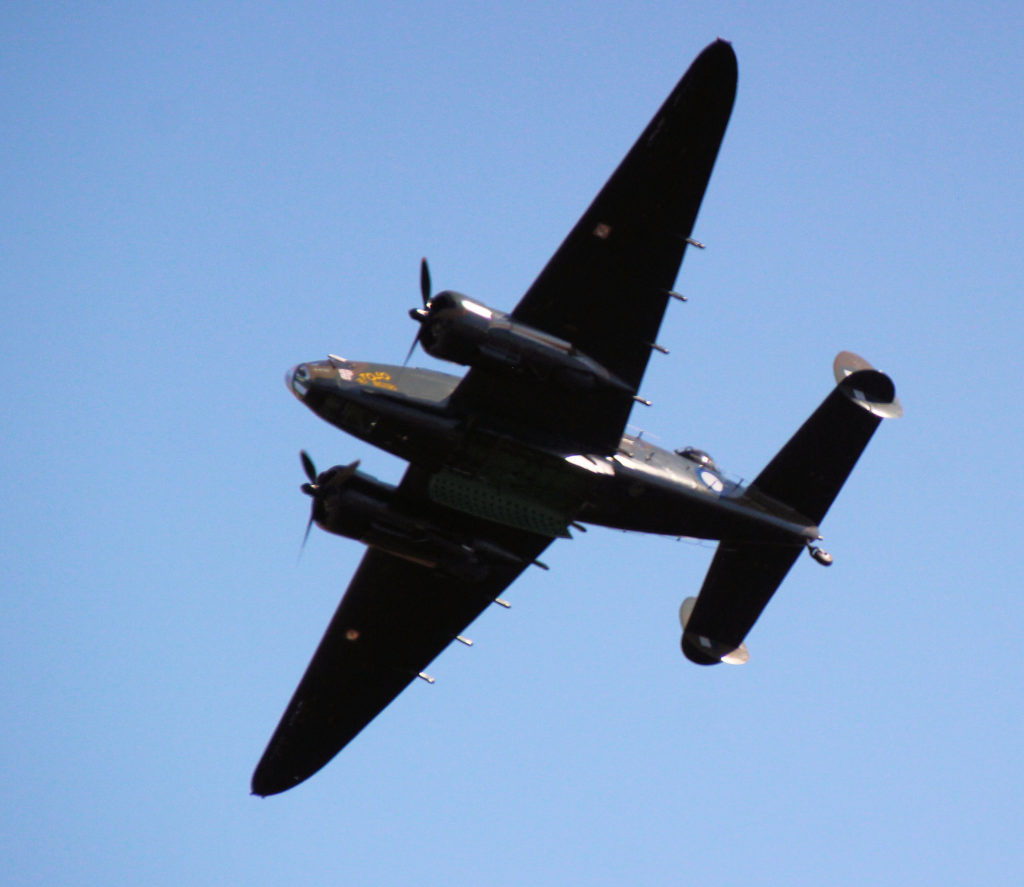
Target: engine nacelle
{"points": [[461, 330], [363, 508]]}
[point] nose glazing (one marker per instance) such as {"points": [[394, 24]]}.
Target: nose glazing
{"points": [[297, 379]]}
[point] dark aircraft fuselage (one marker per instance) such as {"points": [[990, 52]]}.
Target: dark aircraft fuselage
{"points": [[640, 487]]}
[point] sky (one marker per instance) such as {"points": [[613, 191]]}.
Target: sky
{"points": [[198, 196]]}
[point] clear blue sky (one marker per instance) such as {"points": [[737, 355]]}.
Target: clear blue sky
{"points": [[198, 196]]}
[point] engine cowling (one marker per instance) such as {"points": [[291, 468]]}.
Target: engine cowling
{"points": [[456, 328], [353, 504]]}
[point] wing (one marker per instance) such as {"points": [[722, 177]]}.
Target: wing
{"points": [[606, 288], [395, 617]]}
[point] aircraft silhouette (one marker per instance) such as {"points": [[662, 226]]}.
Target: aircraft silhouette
{"points": [[530, 443]]}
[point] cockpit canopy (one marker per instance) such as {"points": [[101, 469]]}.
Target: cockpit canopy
{"points": [[698, 456]]}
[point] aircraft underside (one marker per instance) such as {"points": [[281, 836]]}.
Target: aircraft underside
{"points": [[528, 445]]}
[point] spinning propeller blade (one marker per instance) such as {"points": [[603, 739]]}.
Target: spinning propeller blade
{"points": [[412, 348], [305, 536], [308, 466], [425, 282], [417, 314]]}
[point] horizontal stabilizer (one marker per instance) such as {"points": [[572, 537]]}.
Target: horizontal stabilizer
{"points": [[742, 579], [810, 469]]}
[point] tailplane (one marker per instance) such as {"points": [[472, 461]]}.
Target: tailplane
{"points": [[810, 469], [805, 476]]}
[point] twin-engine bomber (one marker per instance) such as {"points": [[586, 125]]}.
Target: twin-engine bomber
{"points": [[530, 444]]}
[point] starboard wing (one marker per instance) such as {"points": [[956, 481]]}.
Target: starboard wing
{"points": [[606, 287]]}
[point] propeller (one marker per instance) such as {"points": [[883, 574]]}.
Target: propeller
{"points": [[425, 282], [320, 485], [419, 314], [308, 466]]}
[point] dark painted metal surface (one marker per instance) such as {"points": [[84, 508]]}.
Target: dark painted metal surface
{"points": [[530, 442]]}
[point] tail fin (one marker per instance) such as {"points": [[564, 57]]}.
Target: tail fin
{"points": [[810, 469]]}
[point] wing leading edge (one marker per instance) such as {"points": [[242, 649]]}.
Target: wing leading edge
{"points": [[606, 287]]}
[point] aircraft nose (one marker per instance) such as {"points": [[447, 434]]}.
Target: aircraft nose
{"points": [[297, 379]]}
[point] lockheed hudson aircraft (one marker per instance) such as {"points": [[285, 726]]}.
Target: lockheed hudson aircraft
{"points": [[530, 443]]}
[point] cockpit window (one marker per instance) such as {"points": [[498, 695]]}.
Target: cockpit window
{"points": [[698, 456]]}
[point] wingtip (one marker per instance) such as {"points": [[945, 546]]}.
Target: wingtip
{"points": [[721, 47], [718, 59], [256, 789], [265, 791], [264, 784]]}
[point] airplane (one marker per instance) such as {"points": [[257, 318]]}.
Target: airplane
{"points": [[531, 442]]}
